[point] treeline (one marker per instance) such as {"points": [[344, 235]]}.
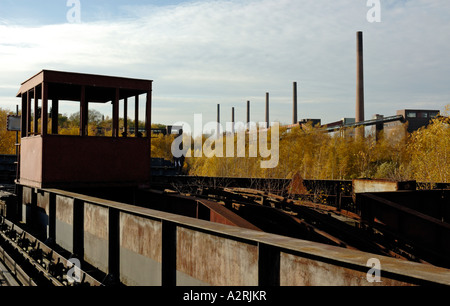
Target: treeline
{"points": [[7, 139], [423, 155], [98, 125]]}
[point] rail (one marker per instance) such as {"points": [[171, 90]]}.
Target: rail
{"points": [[20, 277], [32, 262]]}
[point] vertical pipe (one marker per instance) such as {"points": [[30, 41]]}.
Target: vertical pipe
{"points": [[295, 118], [359, 83], [267, 110]]}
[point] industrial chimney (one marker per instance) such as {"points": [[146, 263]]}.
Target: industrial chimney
{"points": [[359, 83], [294, 118], [218, 121], [267, 110], [232, 120], [248, 113]]}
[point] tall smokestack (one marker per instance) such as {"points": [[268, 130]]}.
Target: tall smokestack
{"points": [[267, 110], [248, 112], [218, 121], [232, 120], [359, 82], [294, 118]]}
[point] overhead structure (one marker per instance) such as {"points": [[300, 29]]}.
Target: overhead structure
{"points": [[49, 159]]}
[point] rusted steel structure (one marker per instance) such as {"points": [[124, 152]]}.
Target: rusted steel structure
{"points": [[49, 159], [418, 219], [147, 246], [379, 185]]}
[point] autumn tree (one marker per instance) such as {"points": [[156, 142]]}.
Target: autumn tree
{"points": [[429, 150], [7, 138], [312, 153]]}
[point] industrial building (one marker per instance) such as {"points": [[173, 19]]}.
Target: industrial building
{"points": [[417, 118]]}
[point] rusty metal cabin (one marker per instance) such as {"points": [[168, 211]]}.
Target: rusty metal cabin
{"points": [[48, 159]]}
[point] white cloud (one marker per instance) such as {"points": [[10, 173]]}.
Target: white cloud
{"points": [[203, 53]]}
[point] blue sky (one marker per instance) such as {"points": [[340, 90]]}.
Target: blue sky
{"points": [[209, 52]]}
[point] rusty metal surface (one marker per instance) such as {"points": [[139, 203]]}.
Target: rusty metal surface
{"points": [[190, 206], [220, 214], [96, 235], [434, 203], [332, 192], [31, 160], [370, 185], [70, 78], [200, 246], [110, 160], [298, 271], [141, 235], [393, 269], [235, 263], [140, 246], [64, 222], [316, 222], [427, 235]]}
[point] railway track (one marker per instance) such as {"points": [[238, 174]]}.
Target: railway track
{"points": [[26, 261], [7, 278]]}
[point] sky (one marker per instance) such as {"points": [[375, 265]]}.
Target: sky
{"points": [[200, 53]]}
